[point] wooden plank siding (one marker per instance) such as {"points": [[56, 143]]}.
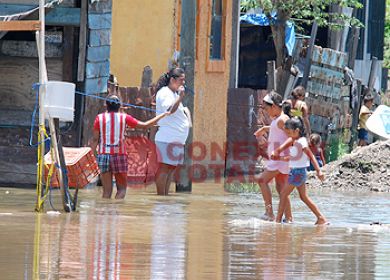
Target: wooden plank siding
{"points": [[245, 116], [19, 69], [25, 25], [97, 67], [54, 16]]}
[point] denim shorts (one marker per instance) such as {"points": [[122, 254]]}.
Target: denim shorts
{"points": [[320, 164], [363, 134], [297, 177]]}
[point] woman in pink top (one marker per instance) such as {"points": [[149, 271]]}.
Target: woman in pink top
{"points": [[275, 168]]}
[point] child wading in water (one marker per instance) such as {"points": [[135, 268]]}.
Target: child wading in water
{"points": [[299, 161], [109, 136], [277, 168], [315, 147]]}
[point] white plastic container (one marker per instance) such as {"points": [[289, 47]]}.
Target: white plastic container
{"points": [[59, 100]]}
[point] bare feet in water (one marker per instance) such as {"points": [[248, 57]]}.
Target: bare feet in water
{"points": [[321, 221], [268, 217]]}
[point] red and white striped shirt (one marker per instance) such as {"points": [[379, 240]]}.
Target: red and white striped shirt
{"points": [[111, 127]]}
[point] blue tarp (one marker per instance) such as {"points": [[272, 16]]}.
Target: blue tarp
{"points": [[263, 20]]}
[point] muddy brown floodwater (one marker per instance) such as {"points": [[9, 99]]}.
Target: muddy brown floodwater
{"points": [[208, 234]]}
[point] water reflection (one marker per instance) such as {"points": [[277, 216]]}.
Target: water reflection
{"points": [[198, 236], [168, 241]]}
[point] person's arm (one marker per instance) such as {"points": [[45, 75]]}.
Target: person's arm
{"points": [[275, 154], [152, 121], [313, 160], [94, 140], [305, 116], [322, 156], [261, 131], [175, 105]]}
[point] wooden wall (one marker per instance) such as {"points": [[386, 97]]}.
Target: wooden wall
{"points": [[245, 116], [19, 70], [97, 67], [17, 100], [330, 113]]}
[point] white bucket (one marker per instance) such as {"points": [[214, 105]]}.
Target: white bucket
{"points": [[59, 100]]}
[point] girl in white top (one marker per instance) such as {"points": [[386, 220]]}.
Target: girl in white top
{"points": [[300, 157]]}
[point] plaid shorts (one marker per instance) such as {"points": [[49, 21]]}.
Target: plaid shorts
{"points": [[112, 163]]}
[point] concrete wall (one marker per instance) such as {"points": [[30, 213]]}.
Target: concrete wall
{"points": [[211, 88], [143, 33]]}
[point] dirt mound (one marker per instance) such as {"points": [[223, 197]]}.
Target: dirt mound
{"points": [[365, 169]]}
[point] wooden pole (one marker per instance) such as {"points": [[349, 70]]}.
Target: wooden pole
{"points": [[309, 54], [187, 62], [373, 70], [355, 114], [67, 201], [42, 89], [271, 75], [353, 46], [82, 41]]}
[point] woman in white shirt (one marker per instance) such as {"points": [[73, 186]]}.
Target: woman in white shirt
{"points": [[173, 130]]}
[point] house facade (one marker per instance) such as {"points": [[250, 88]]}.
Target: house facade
{"points": [[150, 33]]}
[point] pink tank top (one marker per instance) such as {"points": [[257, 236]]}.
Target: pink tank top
{"points": [[276, 137]]}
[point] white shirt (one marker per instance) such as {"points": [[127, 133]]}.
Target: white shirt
{"points": [[173, 128], [299, 159]]}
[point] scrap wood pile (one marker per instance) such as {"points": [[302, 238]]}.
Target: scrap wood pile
{"points": [[365, 169]]}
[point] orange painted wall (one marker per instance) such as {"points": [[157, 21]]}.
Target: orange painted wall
{"points": [[210, 117], [143, 33]]}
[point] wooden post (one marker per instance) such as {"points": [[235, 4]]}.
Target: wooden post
{"points": [[335, 35], [353, 46], [147, 77], [187, 62], [373, 70], [42, 92], [271, 75], [233, 81], [309, 54], [67, 66], [61, 165], [355, 114], [82, 41]]}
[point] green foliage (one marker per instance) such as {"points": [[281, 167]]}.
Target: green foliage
{"points": [[246, 5], [387, 36], [307, 10]]}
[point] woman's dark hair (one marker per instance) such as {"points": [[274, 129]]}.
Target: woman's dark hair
{"points": [[113, 103], [298, 91], [163, 81], [286, 108], [296, 123], [276, 98]]}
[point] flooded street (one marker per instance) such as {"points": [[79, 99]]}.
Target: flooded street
{"points": [[208, 234]]}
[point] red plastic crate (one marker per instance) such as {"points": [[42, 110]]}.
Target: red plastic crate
{"points": [[81, 167]]}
